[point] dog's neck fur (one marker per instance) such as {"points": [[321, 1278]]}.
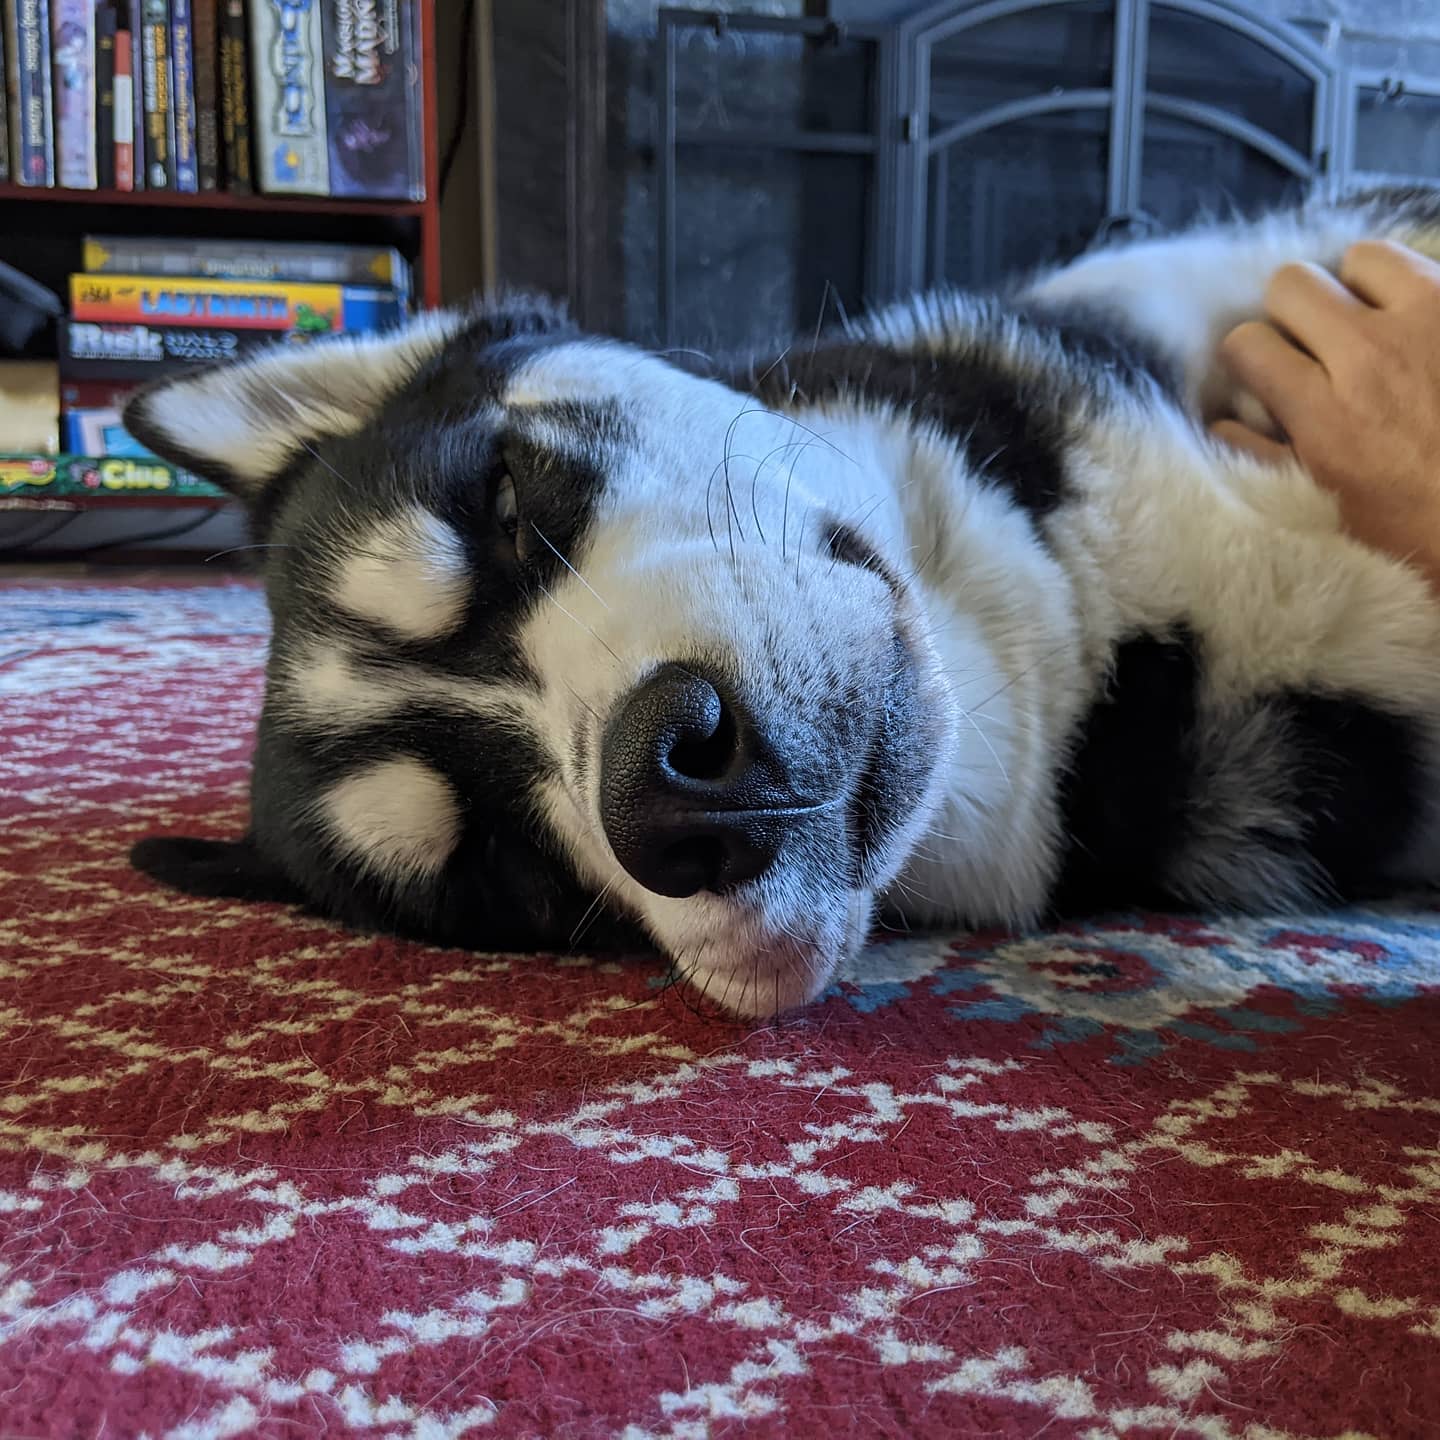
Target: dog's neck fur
{"points": [[1002, 615], [1027, 613]]}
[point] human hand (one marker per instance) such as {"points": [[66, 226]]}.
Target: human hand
{"points": [[1350, 371]]}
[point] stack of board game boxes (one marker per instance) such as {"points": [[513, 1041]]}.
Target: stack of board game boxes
{"points": [[313, 97], [144, 308]]}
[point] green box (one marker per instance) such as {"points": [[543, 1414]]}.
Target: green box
{"points": [[80, 477]]}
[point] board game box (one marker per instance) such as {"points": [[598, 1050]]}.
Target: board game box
{"points": [[247, 260], [373, 99], [289, 110], [285, 307], [79, 477], [90, 350]]}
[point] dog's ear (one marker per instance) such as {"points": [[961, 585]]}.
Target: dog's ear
{"points": [[242, 424], [229, 869]]}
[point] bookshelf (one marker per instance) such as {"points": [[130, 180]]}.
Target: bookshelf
{"points": [[41, 228], [63, 506]]}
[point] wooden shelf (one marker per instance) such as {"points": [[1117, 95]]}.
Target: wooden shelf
{"points": [[215, 200], [414, 225]]}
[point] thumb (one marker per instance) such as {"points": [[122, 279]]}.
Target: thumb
{"points": [[1261, 447]]}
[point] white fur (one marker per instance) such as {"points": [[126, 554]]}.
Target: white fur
{"points": [[583, 371], [254, 421], [1188, 292], [328, 687], [1003, 617], [408, 574], [397, 817]]}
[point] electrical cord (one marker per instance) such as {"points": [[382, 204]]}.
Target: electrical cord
{"points": [[30, 539], [132, 542]]}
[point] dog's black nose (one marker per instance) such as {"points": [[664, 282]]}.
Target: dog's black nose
{"points": [[692, 796]]}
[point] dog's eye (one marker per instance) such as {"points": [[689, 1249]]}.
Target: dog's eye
{"points": [[507, 508]]}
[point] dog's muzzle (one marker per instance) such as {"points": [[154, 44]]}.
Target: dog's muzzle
{"points": [[700, 791], [694, 795]]}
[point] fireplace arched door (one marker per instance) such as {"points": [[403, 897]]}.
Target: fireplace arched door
{"points": [[1037, 125], [806, 167]]}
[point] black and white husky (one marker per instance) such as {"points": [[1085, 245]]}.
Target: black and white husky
{"points": [[958, 613]]}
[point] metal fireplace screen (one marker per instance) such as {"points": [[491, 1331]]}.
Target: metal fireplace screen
{"points": [[809, 165]]}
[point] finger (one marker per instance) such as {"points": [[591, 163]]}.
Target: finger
{"points": [[1286, 381], [1313, 307], [1242, 437], [1388, 274]]}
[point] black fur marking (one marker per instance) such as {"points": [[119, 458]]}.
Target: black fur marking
{"points": [[440, 442], [499, 334], [1124, 795], [848, 547], [1347, 775], [503, 888], [1013, 430], [1104, 340], [1360, 780], [452, 469]]}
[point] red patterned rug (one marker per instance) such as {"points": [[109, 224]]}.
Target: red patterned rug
{"points": [[262, 1178]]}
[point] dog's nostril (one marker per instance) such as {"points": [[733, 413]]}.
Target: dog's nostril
{"points": [[691, 795], [699, 756]]}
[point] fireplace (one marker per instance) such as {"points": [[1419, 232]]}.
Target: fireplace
{"points": [[805, 166]]}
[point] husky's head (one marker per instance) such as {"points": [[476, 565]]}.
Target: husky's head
{"points": [[565, 640]]}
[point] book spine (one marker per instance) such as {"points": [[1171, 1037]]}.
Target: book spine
{"points": [[289, 97], [413, 55], [235, 129], [371, 108], [4, 106], [32, 159], [317, 264], [182, 91], [155, 83], [204, 22], [278, 307], [12, 88], [47, 90], [132, 352], [137, 87], [72, 35], [105, 31], [124, 111]]}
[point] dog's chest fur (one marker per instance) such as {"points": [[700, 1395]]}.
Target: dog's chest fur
{"points": [[1199, 691]]}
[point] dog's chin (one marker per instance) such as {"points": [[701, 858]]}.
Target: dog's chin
{"points": [[758, 971], [781, 950]]}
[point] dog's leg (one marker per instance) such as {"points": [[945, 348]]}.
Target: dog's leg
{"points": [[1184, 294]]}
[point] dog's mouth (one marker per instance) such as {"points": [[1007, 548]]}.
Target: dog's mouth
{"points": [[892, 776], [773, 943], [759, 971]]}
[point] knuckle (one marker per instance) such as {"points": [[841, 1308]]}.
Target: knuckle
{"points": [[1363, 253], [1241, 341], [1287, 279]]}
